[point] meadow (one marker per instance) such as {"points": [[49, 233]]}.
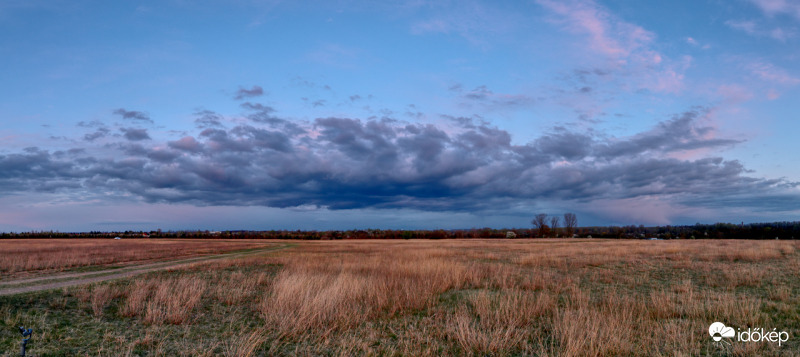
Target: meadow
{"points": [[570, 297], [42, 256]]}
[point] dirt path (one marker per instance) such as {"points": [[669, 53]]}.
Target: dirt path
{"points": [[20, 286]]}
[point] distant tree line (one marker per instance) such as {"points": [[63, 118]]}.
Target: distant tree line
{"points": [[543, 229], [543, 226]]}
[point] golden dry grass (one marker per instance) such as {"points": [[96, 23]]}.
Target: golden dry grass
{"points": [[333, 294], [466, 297], [29, 255], [173, 300], [593, 297]]}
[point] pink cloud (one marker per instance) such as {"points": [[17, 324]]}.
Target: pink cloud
{"points": [[774, 7], [746, 26], [781, 34], [186, 143], [471, 20], [753, 29], [734, 93], [625, 48], [646, 210], [692, 41], [608, 35], [765, 81], [773, 94], [667, 81], [771, 73]]}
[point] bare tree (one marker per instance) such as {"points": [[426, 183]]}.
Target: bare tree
{"points": [[540, 222], [554, 225], [570, 223]]}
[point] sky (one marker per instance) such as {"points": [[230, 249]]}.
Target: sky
{"points": [[172, 114]]}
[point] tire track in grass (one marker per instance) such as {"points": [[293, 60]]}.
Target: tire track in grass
{"points": [[72, 279]]}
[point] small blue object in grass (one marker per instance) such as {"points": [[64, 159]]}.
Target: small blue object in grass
{"points": [[25, 333]]}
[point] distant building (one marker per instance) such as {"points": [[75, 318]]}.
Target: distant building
{"points": [[511, 234]]}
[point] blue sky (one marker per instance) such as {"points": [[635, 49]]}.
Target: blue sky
{"points": [[349, 114]]}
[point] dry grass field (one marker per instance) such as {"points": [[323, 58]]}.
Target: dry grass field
{"points": [[451, 297], [27, 256]]}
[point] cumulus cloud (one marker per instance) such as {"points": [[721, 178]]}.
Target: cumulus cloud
{"points": [[132, 115], [208, 119], [97, 134], [243, 93], [187, 143], [680, 133], [134, 134], [344, 163]]}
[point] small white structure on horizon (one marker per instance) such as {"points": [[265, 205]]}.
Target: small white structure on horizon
{"points": [[117, 238], [511, 234]]}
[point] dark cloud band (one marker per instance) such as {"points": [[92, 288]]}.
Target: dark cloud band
{"points": [[349, 163]]}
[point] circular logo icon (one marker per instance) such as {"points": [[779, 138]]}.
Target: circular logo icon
{"points": [[718, 330]]}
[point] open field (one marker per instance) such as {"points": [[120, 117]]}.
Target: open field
{"points": [[449, 297], [25, 257], [104, 273]]}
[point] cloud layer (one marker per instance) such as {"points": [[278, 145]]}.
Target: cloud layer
{"points": [[341, 163]]}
